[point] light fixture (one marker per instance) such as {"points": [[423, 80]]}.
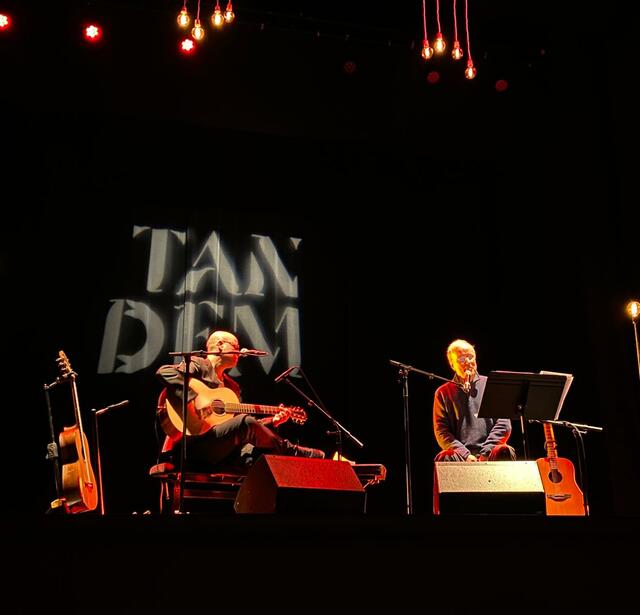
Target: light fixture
{"points": [[633, 310], [92, 33], [229, 15], [5, 22], [427, 50], [184, 19], [187, 46], [217, 18], [440, 44], [456, 52], [198, 31], [470, 72]]}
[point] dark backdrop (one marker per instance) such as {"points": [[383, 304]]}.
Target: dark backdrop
{"points": [[426, 213]]}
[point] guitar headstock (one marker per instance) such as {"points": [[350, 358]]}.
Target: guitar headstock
{"points": [[64, 365], [297, 415]]}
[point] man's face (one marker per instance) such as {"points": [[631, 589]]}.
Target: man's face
{"points": [[463, 359], [224, 342]]}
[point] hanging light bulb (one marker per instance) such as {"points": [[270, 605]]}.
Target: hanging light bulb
{"points": [[229, 15], [440, 44], [427, 50], [184, 19], [198, 31], [217, 19], [456, 52], [470, 72], [5, 22]]}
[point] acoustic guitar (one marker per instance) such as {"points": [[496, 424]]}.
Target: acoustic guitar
{"points": [[213, 407], [79, 487], [562, 494]]}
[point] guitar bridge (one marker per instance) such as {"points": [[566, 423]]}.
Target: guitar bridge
{"points": [[559, 497]]}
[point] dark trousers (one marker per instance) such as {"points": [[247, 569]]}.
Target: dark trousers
{"points": [[229, 439]]}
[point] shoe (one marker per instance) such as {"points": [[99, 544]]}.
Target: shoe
{"points": [[337, 457], [303, 451]]}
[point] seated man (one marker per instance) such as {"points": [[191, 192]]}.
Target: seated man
{"points": [[224, 442], [461, 435]]}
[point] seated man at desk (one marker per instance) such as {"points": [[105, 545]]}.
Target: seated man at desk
{"points": [[461, 435]]}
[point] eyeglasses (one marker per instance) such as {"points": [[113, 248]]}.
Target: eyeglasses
{"points": [[233, 345], [466, 359]]}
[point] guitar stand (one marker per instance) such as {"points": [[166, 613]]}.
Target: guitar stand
{"points": [[59, 504]]}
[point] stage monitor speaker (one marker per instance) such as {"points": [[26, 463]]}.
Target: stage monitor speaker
{"points": [[492, 487], [296, 484]]}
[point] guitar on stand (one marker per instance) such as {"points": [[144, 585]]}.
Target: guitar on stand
{"points": [[79, 489], [562, 494]]}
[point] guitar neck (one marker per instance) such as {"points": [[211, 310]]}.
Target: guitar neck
{"points": [[238, 408], [550, 442]]}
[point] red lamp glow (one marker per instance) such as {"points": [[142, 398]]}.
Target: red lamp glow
{"points": [[93, 33], [187, 46]]}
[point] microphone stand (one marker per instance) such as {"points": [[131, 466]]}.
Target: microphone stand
{"points": [[185, 391], [340, 429], [403, 378], [96, 414], [635, 335]]}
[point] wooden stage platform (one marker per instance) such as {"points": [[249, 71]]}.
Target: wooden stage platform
{"points": [[279, 563]]}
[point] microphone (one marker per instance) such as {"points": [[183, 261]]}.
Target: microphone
{"points": [[466, 387], [112, 406], [285, 373], [251, 352]]}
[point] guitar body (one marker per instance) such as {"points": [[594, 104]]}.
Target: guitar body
{"points": [[211, 407], [78, 481], [561, 491]]}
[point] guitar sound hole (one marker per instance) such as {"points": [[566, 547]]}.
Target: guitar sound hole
{"points": [[555, 476], [218, 407]]}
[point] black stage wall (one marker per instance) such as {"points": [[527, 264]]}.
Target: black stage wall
{"points": [[402, 215]]}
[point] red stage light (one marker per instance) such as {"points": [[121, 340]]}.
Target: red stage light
{"points": [[93, 33], [502, 85], [433, 77], [5, 21], [187, 46], [349, 67]]}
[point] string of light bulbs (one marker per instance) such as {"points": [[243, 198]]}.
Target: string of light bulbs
{"points": [[440, 44], [218, 19]]}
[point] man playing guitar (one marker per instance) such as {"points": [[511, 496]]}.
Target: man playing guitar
{"points": [[218, 428]]}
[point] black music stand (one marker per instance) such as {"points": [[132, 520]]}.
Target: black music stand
{"points": [[522, 396]]}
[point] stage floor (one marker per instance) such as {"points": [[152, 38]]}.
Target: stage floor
{"points": [[150, 563]]}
